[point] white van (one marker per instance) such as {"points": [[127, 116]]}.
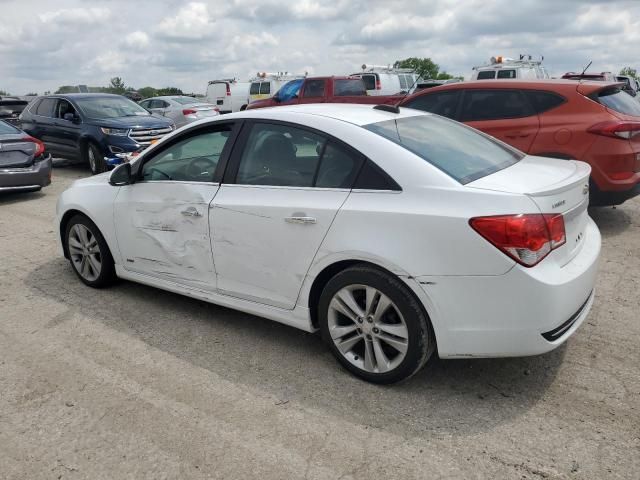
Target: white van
{"points": [[265, 85], [508, 68], [381, 80], [228, 94]]}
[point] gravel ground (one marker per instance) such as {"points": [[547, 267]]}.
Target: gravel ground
{"points": [[133, 382]]}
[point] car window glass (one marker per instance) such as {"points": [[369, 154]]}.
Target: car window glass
{"points": [[403, 82], [337, 167], [369, 81], [314, 88], [290, 90], [619, 101], [372, 177], [193, 159], [265, 88], [146, 104], [543, 101], [254, 89], [506, 74], [63, 108], [460, 151], [486, 74], [6, 128], [280, 155], [494, 105], [45, 109], [442, 103], [347, 87]]}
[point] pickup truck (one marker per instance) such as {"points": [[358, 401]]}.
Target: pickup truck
{"points": [[324, 90]]}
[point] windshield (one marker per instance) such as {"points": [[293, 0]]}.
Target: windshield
{"points": [[620, 101], [185, 100], [289, 90], [460, 151], [110, 107]]}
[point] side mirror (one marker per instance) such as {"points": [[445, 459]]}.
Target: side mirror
{"points": [[71, 117], [121, 175]]}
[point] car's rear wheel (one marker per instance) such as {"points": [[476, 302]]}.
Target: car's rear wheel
{"points": [[374, 325], [94, 159], [88, 252]]}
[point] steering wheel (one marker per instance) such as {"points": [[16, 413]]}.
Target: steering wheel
{"points": [[199, 167]]}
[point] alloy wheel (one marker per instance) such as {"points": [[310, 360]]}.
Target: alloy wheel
{"points": [[367, 328], [85, 252]]}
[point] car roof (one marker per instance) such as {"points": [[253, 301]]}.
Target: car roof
{"points": [[82, 95], [357, 114]]}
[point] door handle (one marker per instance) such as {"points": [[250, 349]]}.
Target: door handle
{"points": [[191, 212], [301, 220]]}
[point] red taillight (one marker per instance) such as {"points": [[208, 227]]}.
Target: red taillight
{"points": [[527, 238], [378, 84], [228, 90], [616, 129], [39, 145], [189, 111]]}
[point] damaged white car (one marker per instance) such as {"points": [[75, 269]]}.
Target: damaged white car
{"points": [[394, 232]]}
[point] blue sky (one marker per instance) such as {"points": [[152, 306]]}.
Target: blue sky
{"points": [[44, 44]]}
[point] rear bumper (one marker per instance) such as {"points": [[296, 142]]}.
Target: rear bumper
{"points": [[526, 311], [30, 178], [599, 198]]}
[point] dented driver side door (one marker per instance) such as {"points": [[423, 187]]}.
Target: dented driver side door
{"points": [[162, 220]]}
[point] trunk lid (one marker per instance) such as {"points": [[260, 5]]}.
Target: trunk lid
{"points": [[15, 152], [556, 187]]}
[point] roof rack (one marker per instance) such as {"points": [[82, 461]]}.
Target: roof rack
{"points": [[220, 80]]}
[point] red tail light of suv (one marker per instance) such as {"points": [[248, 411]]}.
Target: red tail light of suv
{"points": [[596, 122]]}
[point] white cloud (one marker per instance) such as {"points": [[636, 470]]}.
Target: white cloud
{"points": [[193, 22], [137, 39], [76, 16]]}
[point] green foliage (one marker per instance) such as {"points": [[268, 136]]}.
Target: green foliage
{"points": [[116, 85], [147, 92], [4, 92], [32, 94], [425, 67], [630, 72], [169, 91], [67, 89]]}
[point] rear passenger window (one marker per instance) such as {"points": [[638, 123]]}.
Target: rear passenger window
{"points": [[443, 103], [486, 74], [506, 74], [337, 167], [348, 87], [313, 88], [45, 109], [265, 88], [494, 105], [372, 177], [543, 101]]}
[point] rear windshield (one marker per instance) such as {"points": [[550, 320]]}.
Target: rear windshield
{"points": [[9, 108], [619, 101], [185, 100], [6, 128], [459, 151], [347, 87], [486, 74]]}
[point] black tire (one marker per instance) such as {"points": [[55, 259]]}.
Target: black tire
{"points": [[243, 108], [98, 165], [107, 275], [421, 341]]}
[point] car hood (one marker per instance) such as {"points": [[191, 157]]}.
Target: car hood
{"points": [[147, 121], [267, 102]]}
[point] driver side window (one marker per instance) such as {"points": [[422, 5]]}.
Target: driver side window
{"points": [[193, 159]]}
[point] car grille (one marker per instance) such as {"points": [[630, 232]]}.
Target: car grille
{"points": [[557, 332], [144, 136]]}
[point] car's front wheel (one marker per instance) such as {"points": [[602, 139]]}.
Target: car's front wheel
{"points": [[88, 252], [374, 325], [94, 158]]}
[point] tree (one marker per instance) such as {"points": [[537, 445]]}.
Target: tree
{"points": [[630, 72], [4, 92], [425, 67], [116, 85], [148, 92], [32, 94], [169, 91], [67, 89]]}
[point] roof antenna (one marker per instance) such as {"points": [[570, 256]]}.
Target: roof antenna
{"points": [[585, 68]]}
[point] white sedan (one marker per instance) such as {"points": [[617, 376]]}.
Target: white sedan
{"points": [[394, 232]]}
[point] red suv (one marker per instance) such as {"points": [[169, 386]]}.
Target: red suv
{"points": [[595, 122]]}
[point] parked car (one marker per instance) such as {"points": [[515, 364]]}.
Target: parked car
{"points": [[11, 108], [229, 95], [265, 85], [430, 83], [508, 68], [386, 80], [324, 90], [92, 127], [630, 86], [24, 164], [590, 121], [391, 231], [181, 109]]}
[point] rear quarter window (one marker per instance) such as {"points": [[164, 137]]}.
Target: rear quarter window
{"points": [[459, 151], [619, 101], [543, 101]]}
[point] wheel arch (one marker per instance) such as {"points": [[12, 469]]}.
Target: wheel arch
{"points": [[64, 220]]}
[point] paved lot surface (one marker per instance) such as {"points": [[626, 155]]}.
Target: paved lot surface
{"points": [[133, 382]]}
